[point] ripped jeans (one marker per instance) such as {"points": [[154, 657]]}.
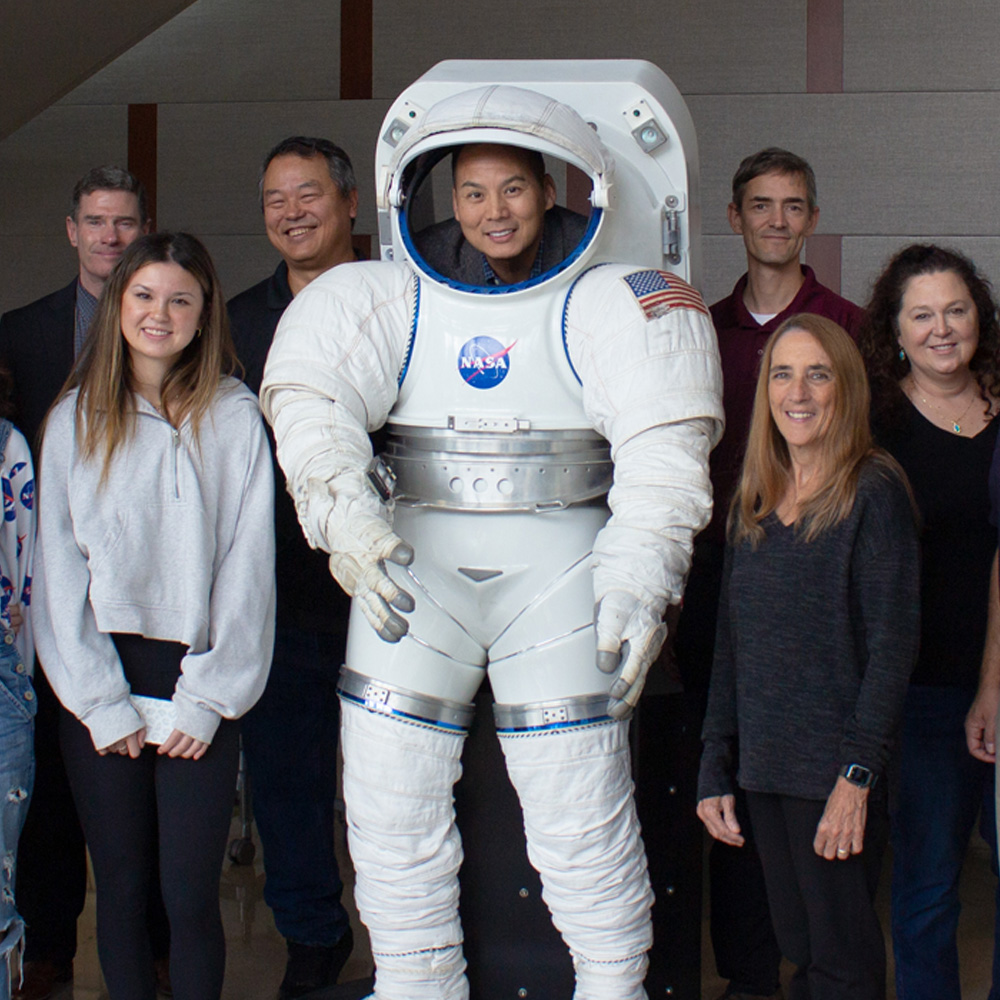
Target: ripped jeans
{"points": [[17, 773]]}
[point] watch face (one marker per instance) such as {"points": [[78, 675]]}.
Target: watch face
{"points": [[859, 775]]}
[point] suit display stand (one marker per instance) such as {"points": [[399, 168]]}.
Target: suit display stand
{"points": [[512, 948], [666, 749], [356, 989]]}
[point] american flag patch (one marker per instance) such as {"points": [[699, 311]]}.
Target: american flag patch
{"points": [[657, 292]]}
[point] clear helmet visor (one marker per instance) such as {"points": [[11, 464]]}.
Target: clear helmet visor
{"points": [[440, 226]]}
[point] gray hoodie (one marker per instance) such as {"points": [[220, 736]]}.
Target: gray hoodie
{"points": [[177, 544]]}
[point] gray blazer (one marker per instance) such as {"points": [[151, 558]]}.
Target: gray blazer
{"points": [[446, 250]]}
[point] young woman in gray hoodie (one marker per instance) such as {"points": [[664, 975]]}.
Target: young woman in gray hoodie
{"points": [[154, 600]]}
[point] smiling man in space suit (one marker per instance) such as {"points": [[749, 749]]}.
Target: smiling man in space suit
{"points": [[519, 384], [507, 226]]}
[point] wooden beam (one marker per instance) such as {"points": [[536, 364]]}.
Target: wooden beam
{"points": [[142, 135]]}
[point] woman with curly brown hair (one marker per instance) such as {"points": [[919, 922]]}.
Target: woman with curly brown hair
{"points": [[931, 342]]}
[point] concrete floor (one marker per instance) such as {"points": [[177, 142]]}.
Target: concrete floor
{"points": [[256, 952]]}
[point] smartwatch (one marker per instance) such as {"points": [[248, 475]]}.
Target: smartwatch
{"points": [[858, 775]]}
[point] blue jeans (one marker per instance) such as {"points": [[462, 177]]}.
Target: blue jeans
{"points": [[17, 772], [943, 789], [290, 742]]}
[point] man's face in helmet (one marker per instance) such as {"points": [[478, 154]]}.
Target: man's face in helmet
{"points": [[500, 202]]}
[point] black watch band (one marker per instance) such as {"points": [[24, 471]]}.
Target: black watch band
{"points": [[859, 775]]}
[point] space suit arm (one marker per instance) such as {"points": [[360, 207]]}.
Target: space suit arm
{"points": [[331, 377], [653, 387]]}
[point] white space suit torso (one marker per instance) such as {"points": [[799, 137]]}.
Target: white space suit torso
{"points": [[504, 409], [500, 392]]}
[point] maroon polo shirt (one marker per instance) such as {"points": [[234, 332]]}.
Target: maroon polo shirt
{"points": [[741, 344]]}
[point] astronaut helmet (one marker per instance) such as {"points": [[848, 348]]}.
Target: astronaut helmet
{"points": [[625, 168]]}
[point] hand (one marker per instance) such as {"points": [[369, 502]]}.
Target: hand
{"points": [[629, 638], [179, 744], [130, 746], [360, 542], [981, 724], [841, 829], [718, 813], [16, 617]]}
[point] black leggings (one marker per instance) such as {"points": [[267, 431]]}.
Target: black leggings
{"points": [[128, 808]]}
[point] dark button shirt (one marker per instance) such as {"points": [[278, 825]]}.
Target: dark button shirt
{"points": [[741, 344], [490, 276], [308, 596]]}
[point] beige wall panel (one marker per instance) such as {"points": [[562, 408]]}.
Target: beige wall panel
{"points": [[885, 163], [723, 261], [901, 45], [33, 266], [241, 261], [864, 257], [715, 46], [228, 50], [210, 154], [42, 161]]}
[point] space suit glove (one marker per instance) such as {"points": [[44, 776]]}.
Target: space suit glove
{"points": [[630, 634], [360, 541]]}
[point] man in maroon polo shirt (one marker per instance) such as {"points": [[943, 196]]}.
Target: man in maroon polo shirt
{"points": [[774, 210]]}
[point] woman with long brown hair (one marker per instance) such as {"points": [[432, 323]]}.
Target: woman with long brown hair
{"points": [[155, 601], [816, 640]]}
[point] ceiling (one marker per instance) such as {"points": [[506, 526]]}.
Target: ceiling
{"points": [[48, 47]]}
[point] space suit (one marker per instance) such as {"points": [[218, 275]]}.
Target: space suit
{"points": [[480, 541]]}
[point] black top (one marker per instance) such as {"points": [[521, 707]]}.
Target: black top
{"points": [[308, 596], [814, 650], [950, 479]]}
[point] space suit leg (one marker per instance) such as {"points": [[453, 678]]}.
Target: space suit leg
{"points": [[575, 788], [406, 848]]}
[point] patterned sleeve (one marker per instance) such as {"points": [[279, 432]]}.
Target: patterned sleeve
{"points": [[17, 537]]}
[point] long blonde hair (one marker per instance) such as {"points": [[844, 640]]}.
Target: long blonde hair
{"points": [[767, 466], [105, 405]]}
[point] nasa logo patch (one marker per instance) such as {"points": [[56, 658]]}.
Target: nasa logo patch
{"points": [[484, 362]]}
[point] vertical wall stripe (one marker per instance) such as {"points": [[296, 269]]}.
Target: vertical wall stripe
{"points": [[142, 150], [825, 47], [356, 50], [825, 75]]}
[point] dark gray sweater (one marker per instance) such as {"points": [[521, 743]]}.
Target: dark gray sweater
{"points": [[814, 649]]}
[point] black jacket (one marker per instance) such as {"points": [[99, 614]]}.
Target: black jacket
{"points": [[36, 346]]}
